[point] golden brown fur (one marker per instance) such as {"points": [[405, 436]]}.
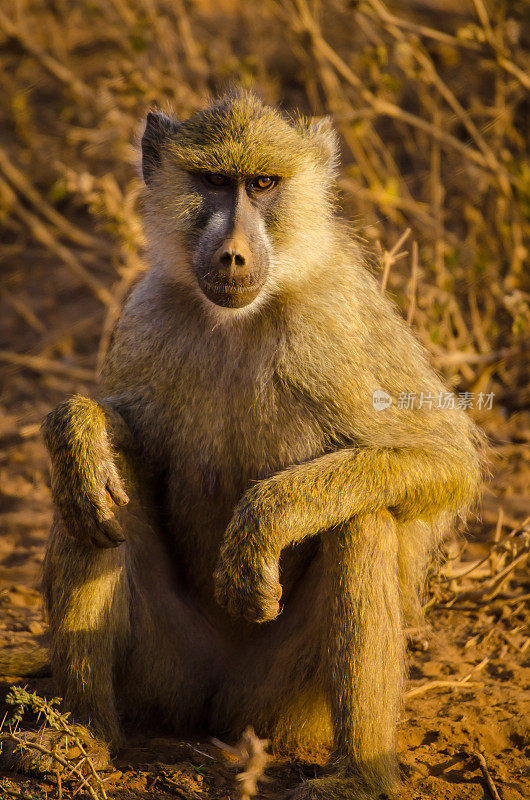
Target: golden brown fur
{"points": [[253, 458]]}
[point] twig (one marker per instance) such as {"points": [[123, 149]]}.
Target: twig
{"points": [[252, 758], [454, 359], [43, 234], [76, 740], [65, 333], [425, 61], [385, 107], [500, 578], [489, 780], [389, 258], [514, 70], [25, 312], [21, 742], [424, 30], [417, 690], [413, 283], [20, 182], [50, 64], [456, 575], [382, 198], [493, 555], [58, 722], [189, 44], [202, 753], [446, 38], [461, 684], [483, 16], [46, 365], [510, 601]]}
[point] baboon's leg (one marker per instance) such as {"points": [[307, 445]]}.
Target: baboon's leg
{"points": [[86, 591], [124, 636], [366, 650], [175, 657], [273, 681], [362, 666]]}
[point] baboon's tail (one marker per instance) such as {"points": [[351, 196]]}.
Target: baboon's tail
{"points": [[27, 662]]}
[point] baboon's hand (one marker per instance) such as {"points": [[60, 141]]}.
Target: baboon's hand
{"points": [[85, 481], [248, 587], [247, 578]]}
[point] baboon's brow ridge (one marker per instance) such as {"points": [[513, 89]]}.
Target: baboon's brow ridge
{"points": [[239, 135]]}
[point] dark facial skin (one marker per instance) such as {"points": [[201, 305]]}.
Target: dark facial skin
{"points": [[231, 259]]}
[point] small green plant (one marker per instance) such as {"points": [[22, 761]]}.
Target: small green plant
{"points": [[58, 747]]}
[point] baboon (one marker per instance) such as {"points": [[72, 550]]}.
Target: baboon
{"points": [[240, 531]]}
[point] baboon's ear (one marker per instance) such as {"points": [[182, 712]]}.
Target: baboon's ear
{"points": [[158, 128], [323, 134]]}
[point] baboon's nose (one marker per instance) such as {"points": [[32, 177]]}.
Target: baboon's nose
{"points": [[229, 258], [233, 258]]}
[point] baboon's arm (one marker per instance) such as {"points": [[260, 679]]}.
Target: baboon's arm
{"points": [[305, 499], [80, 435], [321, 494]]}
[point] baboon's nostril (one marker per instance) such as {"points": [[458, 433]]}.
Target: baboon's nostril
{"points": [[229, 258]]}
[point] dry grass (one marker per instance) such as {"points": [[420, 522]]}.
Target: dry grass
{"points": [[432, 109]]}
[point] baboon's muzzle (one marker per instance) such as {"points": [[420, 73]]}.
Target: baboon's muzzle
{"points": [[234, 278]]}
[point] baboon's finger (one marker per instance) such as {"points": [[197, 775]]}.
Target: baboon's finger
{"points": [[112, 531], [116, 490], [91, 522], [99, 540], [105, 533], [262, 613]]}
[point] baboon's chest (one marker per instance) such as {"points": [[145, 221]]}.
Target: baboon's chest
{"points": [[234, 429], [220, 420], [239, 432]]}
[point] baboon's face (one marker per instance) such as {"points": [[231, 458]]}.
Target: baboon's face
{"points": [[229, 241], [237, 202]]}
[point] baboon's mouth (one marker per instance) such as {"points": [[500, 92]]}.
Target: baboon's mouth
{"points": [[231, 294]]}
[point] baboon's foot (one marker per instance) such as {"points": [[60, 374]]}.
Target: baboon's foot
{"points": [[54, 751], [336, 787]]}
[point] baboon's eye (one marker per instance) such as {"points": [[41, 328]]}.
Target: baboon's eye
{"points": [[216, 179], [262, 182]]}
